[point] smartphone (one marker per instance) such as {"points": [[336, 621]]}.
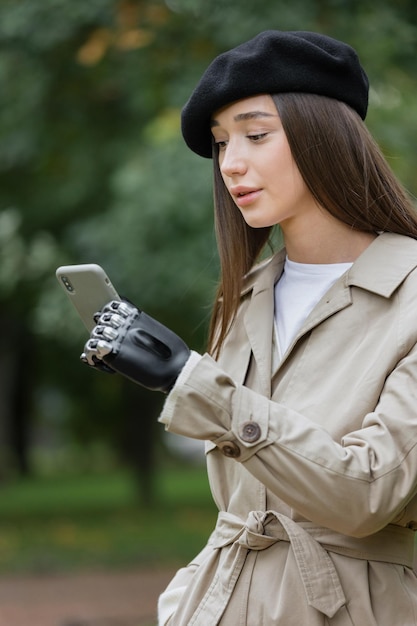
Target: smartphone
{"points": [[88, 287]]}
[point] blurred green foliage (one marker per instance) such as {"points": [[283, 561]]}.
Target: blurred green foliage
{"points": [[93, 169], [75, 522]]}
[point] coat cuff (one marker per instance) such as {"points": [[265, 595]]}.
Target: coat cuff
{"points": [[207, 404], [171, 401]]}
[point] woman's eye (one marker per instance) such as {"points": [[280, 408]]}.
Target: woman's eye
{"points": [[257, 137], [221, 145]]}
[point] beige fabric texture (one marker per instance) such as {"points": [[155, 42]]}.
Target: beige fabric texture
{"points": [[313, 469]]}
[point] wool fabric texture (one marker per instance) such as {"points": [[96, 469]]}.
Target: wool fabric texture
{"points": [[274, 62]]}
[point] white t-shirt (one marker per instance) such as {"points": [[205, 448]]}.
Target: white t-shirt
{"points": [[300, 288]]}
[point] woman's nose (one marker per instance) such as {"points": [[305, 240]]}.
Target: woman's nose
{"points": [[232, 161]]}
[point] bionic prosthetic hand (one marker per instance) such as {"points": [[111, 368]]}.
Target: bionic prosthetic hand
{"points": [[128, 341]]}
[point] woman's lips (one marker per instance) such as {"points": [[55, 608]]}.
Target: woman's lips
{"points": [[245, 195]]}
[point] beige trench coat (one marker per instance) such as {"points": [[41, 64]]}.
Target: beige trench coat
{"points": [[314, 470]]}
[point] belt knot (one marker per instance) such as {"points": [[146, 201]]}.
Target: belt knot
{"points": [[256, 532]]}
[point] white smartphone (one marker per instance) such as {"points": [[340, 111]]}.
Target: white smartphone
{"points": [[88, 287]]}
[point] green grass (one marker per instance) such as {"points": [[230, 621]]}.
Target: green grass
{"points": [[94, 521]]}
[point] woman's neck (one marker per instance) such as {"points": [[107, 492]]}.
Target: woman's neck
{"points": [[327, 241]]}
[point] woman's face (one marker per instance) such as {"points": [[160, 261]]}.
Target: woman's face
{"points": [[257, 166]]}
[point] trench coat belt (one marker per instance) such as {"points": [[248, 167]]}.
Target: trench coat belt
{"points": [[310, 545], [260, 531]]}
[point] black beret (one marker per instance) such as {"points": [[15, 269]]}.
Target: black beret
{"points": [[270, 63]]}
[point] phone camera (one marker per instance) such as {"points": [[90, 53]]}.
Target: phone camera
{"points": [[67, 284]]}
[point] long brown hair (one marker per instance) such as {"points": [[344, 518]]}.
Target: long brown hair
{"points": [[346, 173]]}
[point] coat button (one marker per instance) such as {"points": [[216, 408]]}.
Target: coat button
{"points": [[230, 449], [250, 432]]}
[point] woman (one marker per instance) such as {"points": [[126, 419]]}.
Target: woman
{"points": [[308, 401]]}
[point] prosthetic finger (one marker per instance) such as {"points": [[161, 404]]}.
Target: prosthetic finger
{"points": [[95, 350]]}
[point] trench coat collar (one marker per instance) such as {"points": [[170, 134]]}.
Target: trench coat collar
{"points": [[380, 269], [384, 265], [265, 274], [259, 316]]}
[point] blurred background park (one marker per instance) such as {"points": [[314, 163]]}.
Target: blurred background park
{"points": [[93, 169]]}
